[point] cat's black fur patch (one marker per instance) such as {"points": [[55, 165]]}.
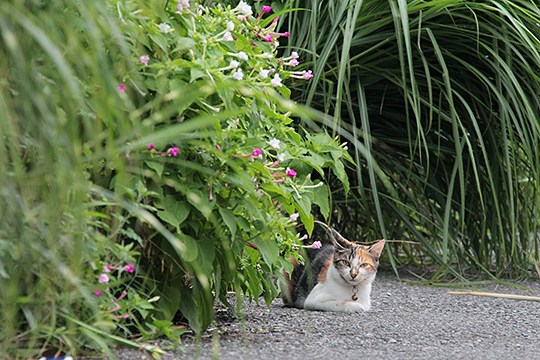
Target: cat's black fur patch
{"points": [[305, 277]]}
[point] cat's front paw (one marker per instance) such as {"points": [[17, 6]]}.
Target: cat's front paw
{"points": [[351, 306]]}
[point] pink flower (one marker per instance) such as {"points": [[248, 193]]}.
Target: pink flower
{"points": [[218, 147], [129, 267], [122, 87], [173, 151], [292, 62], [308, 75], [107, 268], [103, 278], [144, 59], [285, 34], [150, 147], [98, 293], [294, 217], [316, 245], [266, 9], [125, 316], [290, 173], [256, 152]]}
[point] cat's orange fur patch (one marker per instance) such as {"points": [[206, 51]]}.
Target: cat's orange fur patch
{"points": [[324, 271]]}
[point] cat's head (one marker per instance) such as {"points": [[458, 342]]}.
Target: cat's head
{"points": [[356, 263]]}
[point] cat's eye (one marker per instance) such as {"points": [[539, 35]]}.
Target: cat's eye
{"points": [[343, 263], [365, 265]]}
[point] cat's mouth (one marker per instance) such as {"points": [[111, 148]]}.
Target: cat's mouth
{"points": [[358, 279]]}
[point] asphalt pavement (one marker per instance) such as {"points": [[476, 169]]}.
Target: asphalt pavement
{"points": [[405, 322]]}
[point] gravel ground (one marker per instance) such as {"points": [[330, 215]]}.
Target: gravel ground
{"points": [[405, 322]]}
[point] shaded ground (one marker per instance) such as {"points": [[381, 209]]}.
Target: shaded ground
{"points": [[406, 322]]}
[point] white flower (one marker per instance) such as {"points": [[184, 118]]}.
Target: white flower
{"points": [[294, 217], [165, 28], [230, 26], [281, 157], [276, 81], [294, 55], [264, 73], [244, 8], [234, 64], [275, 143], [242, 56], [238, 74], [228, 36]]}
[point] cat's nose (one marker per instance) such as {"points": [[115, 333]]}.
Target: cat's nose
{"points": [[353, 274]]}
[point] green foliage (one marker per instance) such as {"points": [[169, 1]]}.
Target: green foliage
{"points": [[227, 195], [440, 100], [102, 238]]}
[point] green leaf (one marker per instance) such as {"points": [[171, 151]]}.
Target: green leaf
{"points": [[156, 166], [160, 40], [316, 161], [339, 171], [304, 209], [184, 43], [190, 249], [174, 212], [196, 73], [201, 202], [268, 249], [321, 198], [229, 219]]}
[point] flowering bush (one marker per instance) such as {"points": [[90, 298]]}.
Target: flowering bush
{"points": [[231, 191]]}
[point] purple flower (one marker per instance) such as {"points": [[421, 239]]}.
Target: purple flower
{"points": [[316, 245], [256, 152], [290, 173], [98, 293], [308, 75], [129, 268], [173, 151], [103, 278], [144, 59], [150, 147], [294, 217], [266, 9], [183, 5], [121, 87]]}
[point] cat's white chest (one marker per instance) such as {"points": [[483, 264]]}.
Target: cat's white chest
{"points": [[336, 295]]}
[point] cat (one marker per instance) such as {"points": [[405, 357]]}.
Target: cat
{"points": [[337, 277]]}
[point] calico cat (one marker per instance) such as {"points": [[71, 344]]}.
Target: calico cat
{"points": [[338, 277]]}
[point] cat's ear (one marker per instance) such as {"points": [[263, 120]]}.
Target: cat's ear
{"points": [[377, 248], [340, 240]]}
